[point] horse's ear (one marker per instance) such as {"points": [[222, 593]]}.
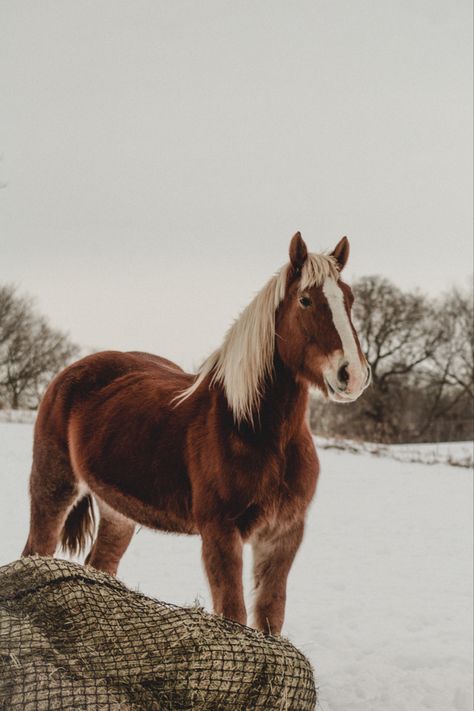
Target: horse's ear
{"points": [[341, 253], [298, 251]]}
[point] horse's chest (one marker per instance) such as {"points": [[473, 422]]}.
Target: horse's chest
{"points": [[272, 500]]}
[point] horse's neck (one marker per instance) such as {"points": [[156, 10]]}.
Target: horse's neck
{"points": [[284, 402]]}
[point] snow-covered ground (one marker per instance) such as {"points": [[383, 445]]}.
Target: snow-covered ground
{"points": [[380, 596], [24, 416], [459, 454]]}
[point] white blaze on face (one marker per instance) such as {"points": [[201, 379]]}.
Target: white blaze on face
{"points": [[357, 373]]}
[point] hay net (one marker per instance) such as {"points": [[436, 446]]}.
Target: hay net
{"points": [[75, 638]]}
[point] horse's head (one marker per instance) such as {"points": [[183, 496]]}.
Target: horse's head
{"points": [[315, 336]]}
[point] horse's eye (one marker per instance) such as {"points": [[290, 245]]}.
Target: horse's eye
{"points": [[305, 302]]}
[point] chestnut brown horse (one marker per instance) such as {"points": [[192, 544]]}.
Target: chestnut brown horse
{"points": [[226, 453]]}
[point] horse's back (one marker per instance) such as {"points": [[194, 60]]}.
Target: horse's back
{"points": [[95, 376]]}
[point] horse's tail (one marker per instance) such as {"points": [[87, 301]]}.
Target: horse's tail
{"points": [[79, 528]]}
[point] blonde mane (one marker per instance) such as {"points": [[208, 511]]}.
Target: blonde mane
{"points": [[245, 360]]}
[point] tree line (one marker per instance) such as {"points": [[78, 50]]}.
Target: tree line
{"points": [[421, 351]]}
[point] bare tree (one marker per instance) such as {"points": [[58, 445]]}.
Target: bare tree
{"points": [[399, 334], [450, 375], [398, 330], [31, 352]]}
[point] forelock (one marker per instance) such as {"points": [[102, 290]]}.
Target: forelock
{"points": [[316, 269]]}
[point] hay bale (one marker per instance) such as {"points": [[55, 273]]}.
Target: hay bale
{"points": [[74, 638]]}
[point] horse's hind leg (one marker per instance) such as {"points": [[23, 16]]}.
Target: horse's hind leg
{"points": [[53, 491], [113, 537]]}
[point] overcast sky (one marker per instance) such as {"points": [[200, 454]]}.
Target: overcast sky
{"points": [[158, 156]]}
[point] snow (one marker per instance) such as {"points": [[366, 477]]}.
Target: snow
{"points": [[380, 595], [26, 416]]}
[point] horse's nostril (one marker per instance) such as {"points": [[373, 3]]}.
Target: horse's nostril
{"points": [[343, 374], [369, 375]]}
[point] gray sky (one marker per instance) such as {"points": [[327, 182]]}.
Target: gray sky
{"points": [[159, 155]]}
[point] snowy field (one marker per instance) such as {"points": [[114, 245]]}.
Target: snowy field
{"points": [[380, 596]]}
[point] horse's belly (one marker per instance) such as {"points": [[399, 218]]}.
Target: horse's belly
{"points": [[142, 478], [168, 517]]}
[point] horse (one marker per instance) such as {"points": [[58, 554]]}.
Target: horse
{"points": [[226, 453]]}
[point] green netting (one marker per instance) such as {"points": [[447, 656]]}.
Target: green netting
{"points": [[74, 638]]}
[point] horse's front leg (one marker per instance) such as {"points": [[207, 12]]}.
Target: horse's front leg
{"points": [[222, 555], [273, 554]]}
